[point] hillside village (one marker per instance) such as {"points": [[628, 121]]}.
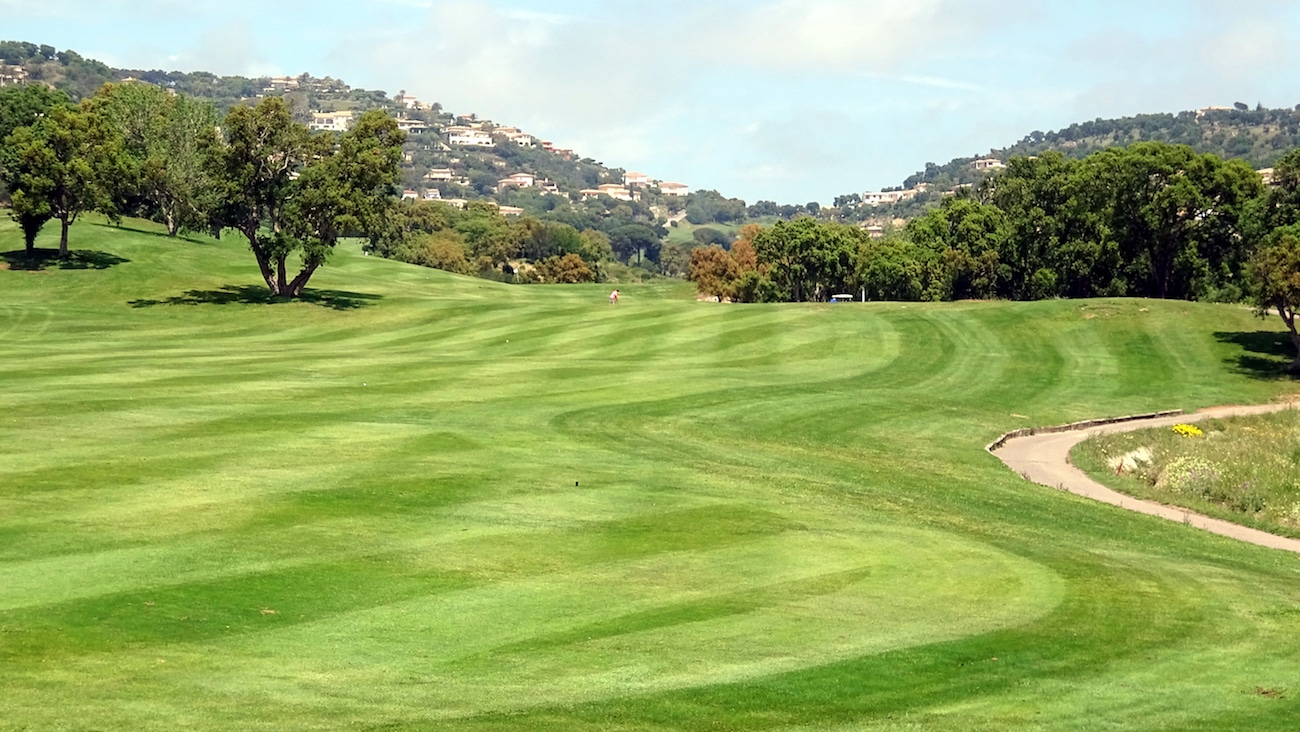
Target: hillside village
{"points": [[449, 157], [457, 158]]}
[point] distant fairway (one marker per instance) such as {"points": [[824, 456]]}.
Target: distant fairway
{"points": [[430, 502]]}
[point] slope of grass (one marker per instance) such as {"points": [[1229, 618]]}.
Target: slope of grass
{"points": [[684, 231], [419, 501]]}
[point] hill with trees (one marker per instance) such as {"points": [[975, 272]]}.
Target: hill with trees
{"points": [[1257, 136]]}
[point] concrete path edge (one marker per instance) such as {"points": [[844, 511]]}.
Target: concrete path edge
{"points": [[1042, 455]]}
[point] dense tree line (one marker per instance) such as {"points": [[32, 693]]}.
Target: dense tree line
{"points": [[1150, 220], [478, 240]]}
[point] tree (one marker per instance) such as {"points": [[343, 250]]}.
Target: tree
{"points": [[22, 106], [635, 239], [675, 259], [807, 258], [1274, 273], [742, 250], [1176, 216], [848, 200], [290, 192], [164, 136], [706, 207], [443, 250], [596, 247], [62, 167], [706, 236], [712, 270], [569, 269], [543, 240], [1281, 205], [491, 239], [894, 269]]}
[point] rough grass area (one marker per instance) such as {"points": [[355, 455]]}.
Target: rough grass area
{"points": [[415, 501], [1243, 469]]}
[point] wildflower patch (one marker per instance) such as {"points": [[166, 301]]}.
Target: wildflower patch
{"points": [[1241, 469]]}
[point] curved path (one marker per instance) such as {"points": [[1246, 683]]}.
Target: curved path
{"points": [[1045, 459]]}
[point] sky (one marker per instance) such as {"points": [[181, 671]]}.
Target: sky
{"points": [[785, 100]]}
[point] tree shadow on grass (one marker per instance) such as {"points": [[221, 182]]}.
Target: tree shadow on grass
{"points": [[39, 260], [187, 237], [1267, 354], [258, 295]]}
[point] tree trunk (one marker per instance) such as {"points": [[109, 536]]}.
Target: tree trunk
{"points": [[63, 238], [263, 262], [173, 228], [300, 282], [281, 279], [1288, 316]]}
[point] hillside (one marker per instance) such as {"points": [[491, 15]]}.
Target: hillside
{"points": [[1258, 136], [422, 501], [473, 170]]}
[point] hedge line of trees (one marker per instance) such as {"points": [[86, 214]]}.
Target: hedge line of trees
{"points": [[478, 240]]}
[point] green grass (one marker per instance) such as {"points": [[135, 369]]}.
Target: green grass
{"points": [[1242, 469], [684, 231], [420, 502]]}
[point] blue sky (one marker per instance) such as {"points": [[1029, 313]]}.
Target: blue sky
{"points": [[788, 100]]}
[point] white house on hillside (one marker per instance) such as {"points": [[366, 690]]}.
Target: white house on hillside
{"points": [[331, 121], [411, 125], [522, 139], [518, 180], [469, 137], [674, 189], [613, 190]]}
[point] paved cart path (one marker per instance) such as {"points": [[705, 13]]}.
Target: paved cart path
{"points": [[1045, 459]]}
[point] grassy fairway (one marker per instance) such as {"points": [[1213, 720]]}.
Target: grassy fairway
{"points": [[427, 502]]}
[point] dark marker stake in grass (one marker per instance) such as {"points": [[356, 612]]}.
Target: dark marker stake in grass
{"points": [[784, 518]]}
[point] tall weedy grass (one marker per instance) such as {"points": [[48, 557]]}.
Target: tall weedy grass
{"points": [[1244, 469]]}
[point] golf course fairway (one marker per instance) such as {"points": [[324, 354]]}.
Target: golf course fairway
{"points": [[420, 501]]}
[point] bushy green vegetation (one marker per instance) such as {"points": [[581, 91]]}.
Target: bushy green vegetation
{"points": [[411, 500], [1243, 469], [1152, 220]]}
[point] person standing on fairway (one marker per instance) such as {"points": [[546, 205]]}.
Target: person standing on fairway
{"points": [[613, 297]]}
